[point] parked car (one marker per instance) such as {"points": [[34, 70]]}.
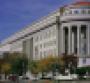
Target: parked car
{"points": [[25, 77], [48, 76], [13, 77], [86, 77]]}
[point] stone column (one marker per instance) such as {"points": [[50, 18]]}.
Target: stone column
{"points": [[73, 42], [78, 40], [62, 40], [69, 40], [88, 39]]}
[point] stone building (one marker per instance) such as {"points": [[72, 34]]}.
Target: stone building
{"points": [[67, 30]]}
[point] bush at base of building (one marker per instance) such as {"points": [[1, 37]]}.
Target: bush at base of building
{"points": [[53, 64], [44, 66], [83, 71]]}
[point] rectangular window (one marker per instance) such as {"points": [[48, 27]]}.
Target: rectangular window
{"points": [[84, 61]]}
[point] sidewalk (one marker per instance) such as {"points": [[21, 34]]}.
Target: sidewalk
{"points": [[4, 81]]}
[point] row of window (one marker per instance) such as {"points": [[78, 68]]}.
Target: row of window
{"points": [[48, 49], [50, 43], [45, 39], [44, 45], [15, 46], [44, 54], [45, 35], [83, 11]]}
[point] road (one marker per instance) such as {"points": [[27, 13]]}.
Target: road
{"points": [[20, 81], [48, 81]]}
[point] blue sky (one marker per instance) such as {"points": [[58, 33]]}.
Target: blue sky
{"points": [[16, 14]]}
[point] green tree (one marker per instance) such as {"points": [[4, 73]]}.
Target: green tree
{"points": [[33, 67], [49, 64], [70, 62], [18, 62], [19, 66], [5, 68]]}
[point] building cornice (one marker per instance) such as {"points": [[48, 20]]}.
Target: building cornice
{"points": [[34, 27]]}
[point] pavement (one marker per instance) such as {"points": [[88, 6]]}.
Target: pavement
{"points": [[47, 81], [20, 81], [3, 81]]}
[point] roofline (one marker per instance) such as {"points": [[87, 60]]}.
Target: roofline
{"points": [[28, 26]]}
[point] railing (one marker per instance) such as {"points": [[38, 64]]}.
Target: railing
{"points": [[75, 17]]}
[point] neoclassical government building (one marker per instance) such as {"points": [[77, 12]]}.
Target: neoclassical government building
{"points": [[66, 30]]}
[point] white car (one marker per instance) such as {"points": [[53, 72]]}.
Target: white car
{"points": [[69, 77]]}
